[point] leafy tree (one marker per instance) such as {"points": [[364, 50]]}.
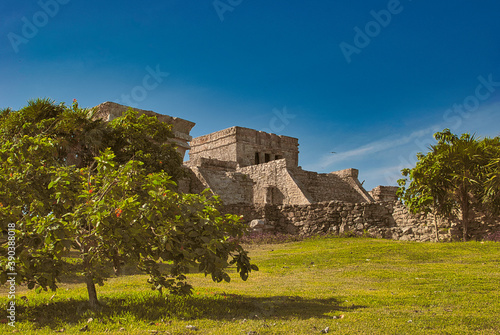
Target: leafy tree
{"points": [[426, 194], [491, 196], [147, 140], [62, 190], [452, 178]]}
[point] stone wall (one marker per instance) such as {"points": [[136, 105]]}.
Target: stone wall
{"points": [[388, 220], [448, 229], [258, 147], [222, 178], [384, 193], [220, 145], [341, 185], [273, 184], [245, 146]]}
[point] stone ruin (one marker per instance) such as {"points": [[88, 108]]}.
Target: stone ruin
{"points": [[246, 166], [180, 127], [256, 175]]}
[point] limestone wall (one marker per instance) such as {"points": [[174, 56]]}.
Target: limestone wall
{"points": [[274, 184], [342, 185], [267, 147], [233, 187], [245, 146], [384, 220], [384, 193], [220, 145], [448, 229]]}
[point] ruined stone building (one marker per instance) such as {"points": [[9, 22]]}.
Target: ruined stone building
{"points": [[246, 166], [180, 127], [256, 174]]}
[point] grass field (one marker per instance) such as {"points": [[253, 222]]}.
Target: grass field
{"points": [[350, 285]]}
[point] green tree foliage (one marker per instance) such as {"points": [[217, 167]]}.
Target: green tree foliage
{"points": [[104, 191], [456, 178], [492, 191]]}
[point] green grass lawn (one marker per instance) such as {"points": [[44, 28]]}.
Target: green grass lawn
{"points": [[351, 285]]}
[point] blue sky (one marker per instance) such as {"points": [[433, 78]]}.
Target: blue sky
{"points": [[370, 81]]}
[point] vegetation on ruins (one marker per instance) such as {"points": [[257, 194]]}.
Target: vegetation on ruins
{"points": [[458, 177], [80, 193]]}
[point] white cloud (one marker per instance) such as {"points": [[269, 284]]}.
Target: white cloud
{"points": [[374, 147]]}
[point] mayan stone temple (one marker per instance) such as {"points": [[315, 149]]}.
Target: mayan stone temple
{"points": [[256, 175]]}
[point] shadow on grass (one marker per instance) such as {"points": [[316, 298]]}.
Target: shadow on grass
{"points": [[70, 275], [148, 308]]}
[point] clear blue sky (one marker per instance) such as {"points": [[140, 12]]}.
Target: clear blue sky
{"points": [[368, 80]]}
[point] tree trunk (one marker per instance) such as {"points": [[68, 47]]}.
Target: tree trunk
{"points": [[435, 220], [117, 263], [436, 228], [465, 223], [465, 213], [89, 280]]}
